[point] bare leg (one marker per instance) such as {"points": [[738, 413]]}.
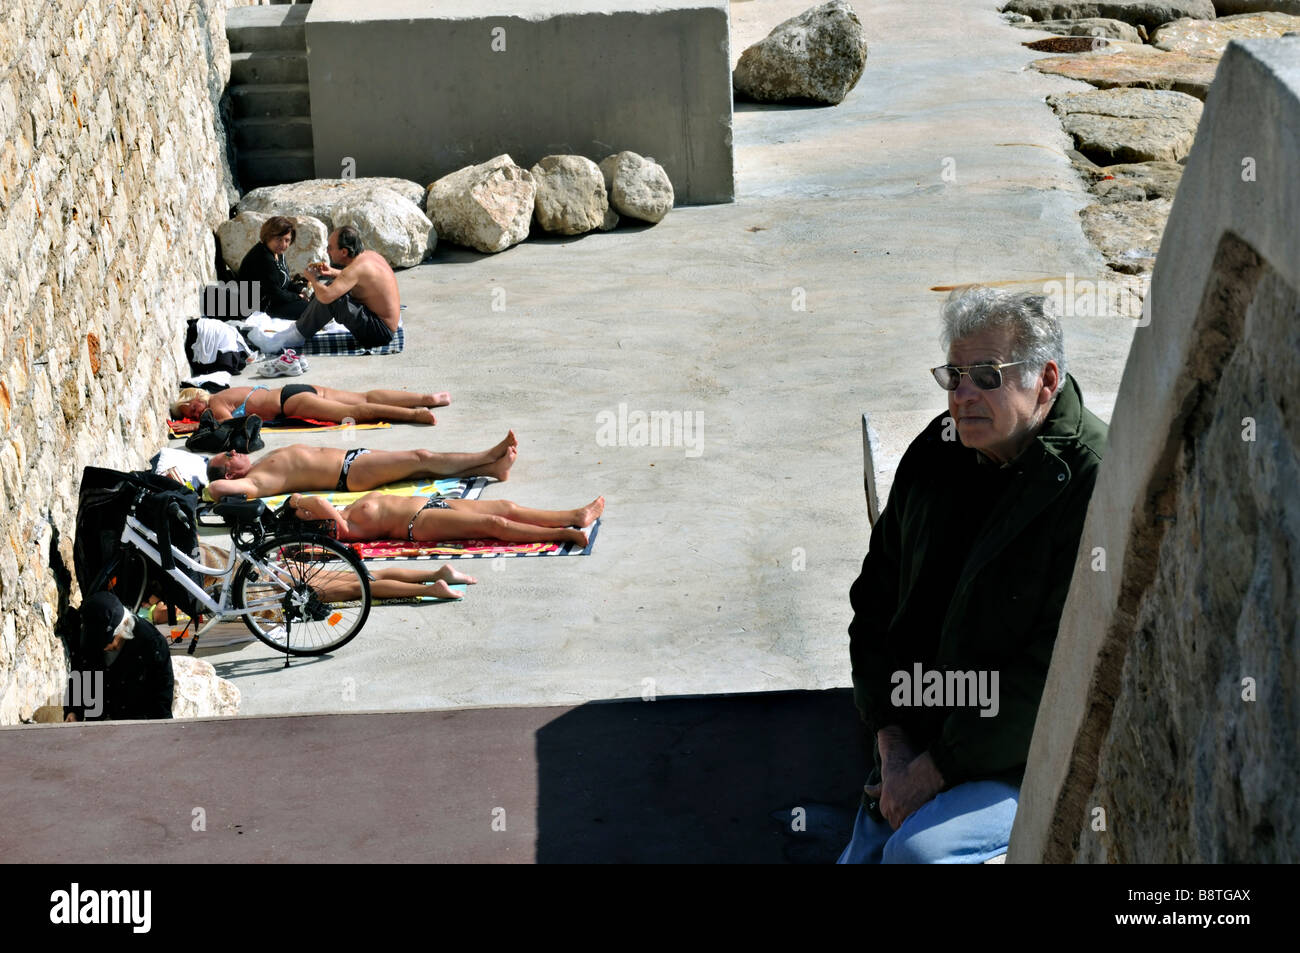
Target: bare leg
{"points": [[433, 525], [443, 573], [319, 408], [380, 467], [394, 398], [337, 586], [522, 514]]}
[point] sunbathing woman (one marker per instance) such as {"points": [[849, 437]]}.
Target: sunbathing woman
{"points": [[433, 519], [304, 400]]}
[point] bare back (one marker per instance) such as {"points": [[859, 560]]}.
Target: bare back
{"points": [[375, 286]]}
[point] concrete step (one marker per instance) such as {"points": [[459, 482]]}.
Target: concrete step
{"points": [[268, 66], [271, 99], [273, 132], [267, 166], [279, 27]]}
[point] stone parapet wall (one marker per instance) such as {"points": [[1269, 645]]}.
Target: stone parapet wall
{"points": [[113, 174]]}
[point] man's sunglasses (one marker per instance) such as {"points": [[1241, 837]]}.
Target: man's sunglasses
{"points": [[983, 376]]}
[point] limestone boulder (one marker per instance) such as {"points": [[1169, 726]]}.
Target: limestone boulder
{"points": [[1213, 36], [818, 55], [487, 207], [1129, 125], [319, 197], [638, 187], [1127, 233], [1138, 181], [1147, 13], [199, 691], [1140, 67], [242, 232], [571, 197], [1106, 27], [390, 225]]}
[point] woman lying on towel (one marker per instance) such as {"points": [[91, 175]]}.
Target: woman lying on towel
{"points": [[422, 519], [313, 402]]}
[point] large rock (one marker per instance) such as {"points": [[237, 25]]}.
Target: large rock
{"points": [[318, 197], [818, 55], [1088, 26], [571, 196], [1148, 13], [1129, 125], [487, 207], [242, 232], [638, 187], [1127, 233], [1141, 68], [1213, 36], [382, 201], [389, 225], [199, 691], [1138, 181]]}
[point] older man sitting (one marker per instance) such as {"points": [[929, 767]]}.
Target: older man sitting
{"points": [[961, 591]]}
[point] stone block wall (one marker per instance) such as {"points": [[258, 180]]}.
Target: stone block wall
{"points": [[1170, 730], [113, 174]]}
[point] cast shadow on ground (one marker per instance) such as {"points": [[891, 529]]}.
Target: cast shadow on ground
{"points": [[705, 779]]}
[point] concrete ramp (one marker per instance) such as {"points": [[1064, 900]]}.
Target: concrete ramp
{"points": [[1169, 721]]}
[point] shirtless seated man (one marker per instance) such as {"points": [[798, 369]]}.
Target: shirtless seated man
{"points": [[423, 519], [302, 467], [362, 296]]}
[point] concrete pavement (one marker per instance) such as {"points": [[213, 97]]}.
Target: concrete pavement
{"points": [[726, 571]]}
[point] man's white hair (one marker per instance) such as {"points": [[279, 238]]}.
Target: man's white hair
{"points": [[1036, 336]]}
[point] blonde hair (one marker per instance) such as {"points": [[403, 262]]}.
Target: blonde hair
{"points": [[177, 408]]}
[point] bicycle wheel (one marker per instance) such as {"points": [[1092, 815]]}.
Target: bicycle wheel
{"points": [[310, 594]]}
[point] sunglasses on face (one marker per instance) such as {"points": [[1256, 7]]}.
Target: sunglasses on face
{"points": [[983, 376]]}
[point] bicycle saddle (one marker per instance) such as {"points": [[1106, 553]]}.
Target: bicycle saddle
{"points": [[240, 512]]}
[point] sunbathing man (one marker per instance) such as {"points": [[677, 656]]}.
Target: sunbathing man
{"points": [[423, 519], [315, 402], [362, 296], [302, 467]]}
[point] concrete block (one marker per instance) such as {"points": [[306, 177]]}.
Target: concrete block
{"points": [[418, 89], [278, 27], [1232, 222]]}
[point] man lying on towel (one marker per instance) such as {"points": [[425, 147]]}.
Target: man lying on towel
{"points": [[423, 519], [361, 296], [303, 467]]}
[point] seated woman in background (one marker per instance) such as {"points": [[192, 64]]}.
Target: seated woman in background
{"points": [[314, 402], [278, 295]]}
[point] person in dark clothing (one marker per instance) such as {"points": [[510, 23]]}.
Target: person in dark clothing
{"points": [[122, 668], [278, 295], [956, 611]]}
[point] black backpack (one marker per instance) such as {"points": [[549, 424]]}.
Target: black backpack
{"points": [[238, 433]]}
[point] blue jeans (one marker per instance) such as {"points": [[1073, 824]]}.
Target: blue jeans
{"points": [[967, 824]]}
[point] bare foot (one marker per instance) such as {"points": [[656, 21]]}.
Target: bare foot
{"points": [[574, 536], [591, 512], [423, 415], [499, 469], [441, 590], [440, 399], [452, 577], [510, 441]]}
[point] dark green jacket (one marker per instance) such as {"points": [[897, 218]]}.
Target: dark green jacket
{"points": [[1005, 609]]}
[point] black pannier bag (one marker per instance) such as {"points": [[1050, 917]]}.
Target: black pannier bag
{"points": [[103, 504]]}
